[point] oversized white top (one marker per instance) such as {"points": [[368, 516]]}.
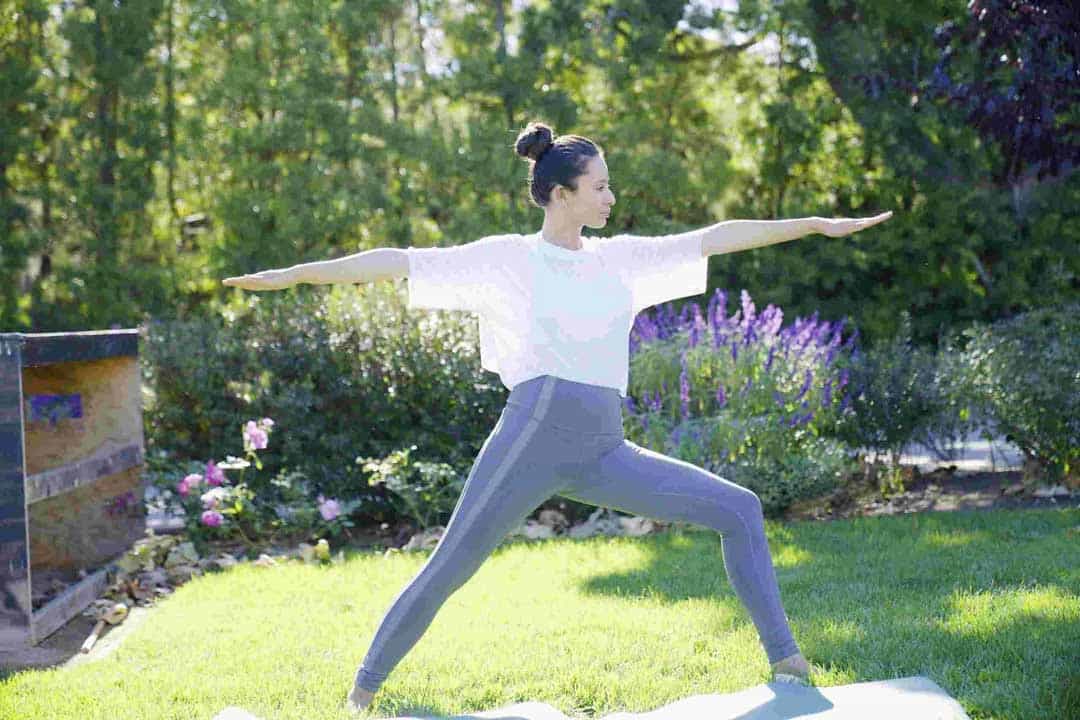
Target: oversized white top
{"points": [[547, 310]]}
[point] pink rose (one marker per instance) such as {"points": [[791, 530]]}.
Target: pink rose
{"points": [[211, 518], [329, 509], [254, 436], [182, 488], [214, 474]]}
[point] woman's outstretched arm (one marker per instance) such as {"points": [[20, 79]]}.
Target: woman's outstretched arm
{"points": [[735, 235], [361, 267]]}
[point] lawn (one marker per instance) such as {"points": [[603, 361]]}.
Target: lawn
{"points": [[985, 603]]}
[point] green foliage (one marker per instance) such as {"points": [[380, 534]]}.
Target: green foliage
{"points": [[819, 466], [951, 419], [1022, 376], [423, 491], [894, 395], [780, 465], [283, 509], [344, 374], [150, 149]]}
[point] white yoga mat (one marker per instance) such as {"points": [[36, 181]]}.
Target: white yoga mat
{"points": [[910, 698]]}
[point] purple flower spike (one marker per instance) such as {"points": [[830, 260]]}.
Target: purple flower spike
{"points": [[821, 332], [710, 311], [684, 388], [834, 341], [772, 319], [750, 336], [716, 309], [687, 313], [805, 385], [748, 309]]}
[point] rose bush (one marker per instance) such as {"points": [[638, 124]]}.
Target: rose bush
{"points": [[217, 507]]}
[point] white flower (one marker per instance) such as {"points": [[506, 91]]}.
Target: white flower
{"points": [[234, 463], [214, 497]]}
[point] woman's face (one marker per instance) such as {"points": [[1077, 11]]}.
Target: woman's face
{"points": [[591, 204]]}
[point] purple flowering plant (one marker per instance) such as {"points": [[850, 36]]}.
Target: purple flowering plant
{"points": [[722, 391]]}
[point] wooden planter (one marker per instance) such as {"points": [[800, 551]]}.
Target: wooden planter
{"points": [[71, 486]]}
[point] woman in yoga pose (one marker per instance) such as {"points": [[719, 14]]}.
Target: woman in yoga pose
{"points": [[555, 310]]}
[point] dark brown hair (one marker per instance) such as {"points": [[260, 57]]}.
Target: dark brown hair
{"points": [[553, 161]]}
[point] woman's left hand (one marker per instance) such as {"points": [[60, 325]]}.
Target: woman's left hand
{"points": [[838, 227]]}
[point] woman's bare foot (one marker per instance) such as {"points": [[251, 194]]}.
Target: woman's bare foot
{"points": [[795, 665], [359, 699]]}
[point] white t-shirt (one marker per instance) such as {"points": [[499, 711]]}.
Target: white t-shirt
{"points": [[547, 310]]}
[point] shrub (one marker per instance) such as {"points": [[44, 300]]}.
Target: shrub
{"points": [[753, 400], [422, 491], [950, 420], [216, 505], [1023, 376], [344, 371], [894, 399]]}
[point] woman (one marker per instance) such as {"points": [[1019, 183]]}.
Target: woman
{"points": [[555, 313]]}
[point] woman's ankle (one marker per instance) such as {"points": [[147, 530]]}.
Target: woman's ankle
{"points": [[793, 665], [794, 657]]}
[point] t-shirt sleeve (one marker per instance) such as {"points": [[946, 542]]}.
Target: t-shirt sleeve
{"points": [[459, 277], [660, 268]]}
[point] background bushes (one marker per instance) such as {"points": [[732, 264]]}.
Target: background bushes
{"points": [[1022, 376], [343, 372], [350, 376]]}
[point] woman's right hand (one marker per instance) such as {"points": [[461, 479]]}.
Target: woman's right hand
{"points": [[264, 280]]}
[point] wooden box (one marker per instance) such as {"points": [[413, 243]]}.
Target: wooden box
{"points": [[71, 485]]}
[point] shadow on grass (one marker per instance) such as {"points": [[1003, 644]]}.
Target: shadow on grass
{"points": [[941, 594]]}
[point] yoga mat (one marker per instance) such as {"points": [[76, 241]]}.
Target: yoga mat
{"points": [[910, 698]]}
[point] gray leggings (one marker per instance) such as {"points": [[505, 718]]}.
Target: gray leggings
{"points": [[560, 437]]}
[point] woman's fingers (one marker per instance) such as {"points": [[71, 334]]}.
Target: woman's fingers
{"points": [[241, 281], [838, 227], [265, 280]]}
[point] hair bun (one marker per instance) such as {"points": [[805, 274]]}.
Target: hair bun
{"points": [[534, 140]]}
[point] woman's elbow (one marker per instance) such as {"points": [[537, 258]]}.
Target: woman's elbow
{"points": [[376, 264]]}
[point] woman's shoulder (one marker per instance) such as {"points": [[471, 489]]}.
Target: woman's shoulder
{"points": [[503, 241]]}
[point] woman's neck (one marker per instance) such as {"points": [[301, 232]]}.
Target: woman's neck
{"points": [[565, 236]]}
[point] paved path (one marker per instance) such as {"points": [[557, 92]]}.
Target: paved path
{"points": [[974, 454]]}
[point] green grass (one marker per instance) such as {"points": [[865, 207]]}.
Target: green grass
{"points": [[987, 604]]}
